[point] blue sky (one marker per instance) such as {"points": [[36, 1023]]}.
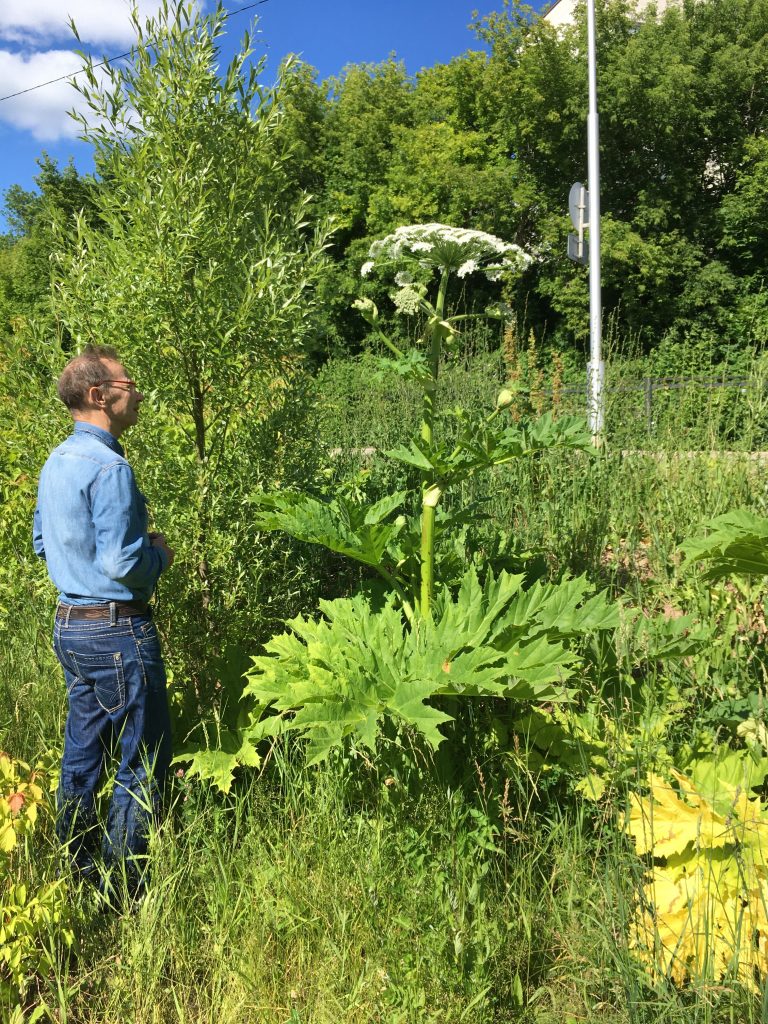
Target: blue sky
{"points": [[36, 45]]}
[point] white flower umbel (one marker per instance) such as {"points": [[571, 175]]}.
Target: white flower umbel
{"points": [[407, 300], [366, 268], [453, 250]]}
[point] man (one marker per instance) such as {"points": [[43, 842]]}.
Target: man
{"points": [[91, 527]]}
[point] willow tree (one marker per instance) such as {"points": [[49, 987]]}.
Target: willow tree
{"points": [[198, 266]]}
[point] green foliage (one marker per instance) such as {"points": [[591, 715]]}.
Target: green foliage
{"points": [[619, 726], [199, 263], [31, 420], [357, 531], [479, 445], [25, 261], [736, 544], [340, 677], [27, 916], [679, 113], [526, 682], [489, 139]]}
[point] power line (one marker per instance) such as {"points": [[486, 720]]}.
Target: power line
{"points": [[119, 56]]}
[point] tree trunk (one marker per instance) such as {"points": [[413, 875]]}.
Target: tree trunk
{"points": [[198, 415]]}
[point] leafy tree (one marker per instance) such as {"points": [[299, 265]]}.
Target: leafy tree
{"points": [[366, 105], [200, 271], [681, 96], [304, 108], [25, 266]]}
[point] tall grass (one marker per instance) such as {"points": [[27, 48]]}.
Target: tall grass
{"points": [[300, 898], [694, 405]]}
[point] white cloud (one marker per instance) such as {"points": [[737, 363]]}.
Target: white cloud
{"points": [[30, 30], [44, 111], [34, 23]]}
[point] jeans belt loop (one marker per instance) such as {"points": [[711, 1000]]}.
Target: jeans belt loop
{"points": [[113, 613], [69, 609]]}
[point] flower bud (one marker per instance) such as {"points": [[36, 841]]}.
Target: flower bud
{"points": [[368, 309], [504, 399]]}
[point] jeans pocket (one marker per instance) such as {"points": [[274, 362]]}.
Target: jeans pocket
{"points": [[105, 673], [147, 631]]}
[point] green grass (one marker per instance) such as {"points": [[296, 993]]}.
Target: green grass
{"points": [[298, 894]]}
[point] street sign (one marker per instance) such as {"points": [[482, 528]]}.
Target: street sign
{"points": [[578, 206], [578, 249]]}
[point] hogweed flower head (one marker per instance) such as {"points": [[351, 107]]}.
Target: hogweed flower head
{"points": [[407, 299], [456, 250]]}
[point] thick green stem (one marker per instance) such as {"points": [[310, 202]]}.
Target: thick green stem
{"points": [[407, 607], [430, 491], [390, 345], [435, 339], [428, 505]]}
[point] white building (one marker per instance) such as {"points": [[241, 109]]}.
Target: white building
{"points": [[561, 12]]}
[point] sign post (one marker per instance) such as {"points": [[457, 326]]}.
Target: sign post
{"points": [[596, 370], [584, 207]]}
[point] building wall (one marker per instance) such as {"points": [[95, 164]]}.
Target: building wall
{"points": [[561, 12]]}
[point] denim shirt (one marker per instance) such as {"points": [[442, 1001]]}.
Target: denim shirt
{"points": [[90, 523]]}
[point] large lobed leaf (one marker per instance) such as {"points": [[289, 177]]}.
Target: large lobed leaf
{"points": [[357, 531], [341, 675], [736, 544], [483, 444]]}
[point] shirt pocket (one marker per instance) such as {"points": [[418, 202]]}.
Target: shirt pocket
{"points": [[104, 672]]}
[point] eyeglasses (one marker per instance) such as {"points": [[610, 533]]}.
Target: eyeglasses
{"points": [[131, 384]]}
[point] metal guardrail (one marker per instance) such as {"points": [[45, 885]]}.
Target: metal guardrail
{"points": [[649, 385]]}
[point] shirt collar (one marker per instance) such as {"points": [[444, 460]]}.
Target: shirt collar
{"points": [[81, 427]]}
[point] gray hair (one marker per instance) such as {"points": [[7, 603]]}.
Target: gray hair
{"points": [[82, 373]]}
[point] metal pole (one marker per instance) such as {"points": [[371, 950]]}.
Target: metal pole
{"points": [[596, 369]]}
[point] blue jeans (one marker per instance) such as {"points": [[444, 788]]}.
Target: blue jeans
{"points": [[116, 686]]}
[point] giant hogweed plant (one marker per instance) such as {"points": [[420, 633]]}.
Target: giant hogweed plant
{"points": [[336, 679], [424, 258]]}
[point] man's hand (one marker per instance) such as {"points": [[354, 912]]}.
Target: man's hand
{"points": [[157, 540]]}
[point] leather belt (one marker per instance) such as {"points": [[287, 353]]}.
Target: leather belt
{"points": [[102, 611]]}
